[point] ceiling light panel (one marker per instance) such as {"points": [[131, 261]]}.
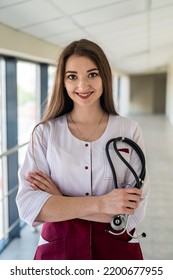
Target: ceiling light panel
{"points": [[78, 6], [5, 3], [51, 28], [110, 12], [28, 13]]}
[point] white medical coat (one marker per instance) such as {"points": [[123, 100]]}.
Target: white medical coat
{"points": [[79, 168]]}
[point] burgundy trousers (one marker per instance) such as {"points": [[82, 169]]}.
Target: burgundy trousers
{"points": [[85, 240]]}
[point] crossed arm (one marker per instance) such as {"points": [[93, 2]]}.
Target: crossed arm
{"points": [[94, 208]]}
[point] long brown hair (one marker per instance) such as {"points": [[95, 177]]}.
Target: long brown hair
{"points": [[60, 103]]}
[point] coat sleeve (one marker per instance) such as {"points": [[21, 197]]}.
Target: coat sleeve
{"points": [[29, 201]]}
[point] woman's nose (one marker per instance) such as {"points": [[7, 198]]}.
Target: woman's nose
{"points": [[82, 84]]}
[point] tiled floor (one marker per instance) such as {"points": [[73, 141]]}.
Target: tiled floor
{"points": [[158, 135], [22, 248], [158, 224]]}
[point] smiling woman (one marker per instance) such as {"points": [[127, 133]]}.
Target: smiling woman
{"points": [[82, 81], [84, 86], [63, 179]]}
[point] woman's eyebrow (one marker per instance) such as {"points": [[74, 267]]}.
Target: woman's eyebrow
{"points": [[75, 72], [93, 69], [69, 71]]}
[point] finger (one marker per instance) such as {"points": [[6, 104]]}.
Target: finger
{"points": [[35, 187], [37, 182], [37, 179], [131, 205], [51, 187], [39, 186], [134, 191], [124, 209], [128, 211], [43, 175], [134, 198]]}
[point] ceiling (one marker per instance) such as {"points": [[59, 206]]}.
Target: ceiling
{"points": [[137, 35]]}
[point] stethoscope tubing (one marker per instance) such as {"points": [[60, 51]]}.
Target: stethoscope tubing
{"points": [[138, 178]]}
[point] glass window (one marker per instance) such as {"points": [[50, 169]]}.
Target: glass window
{"points": [[28, 110], [51, 77], [3, 163], [1, 191], [28, 95]]}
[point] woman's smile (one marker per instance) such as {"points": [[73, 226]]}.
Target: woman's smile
{"points": [[85, 95], [82, 81]]}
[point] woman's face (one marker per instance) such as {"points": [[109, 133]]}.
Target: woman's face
{"points": [[82, 81]]}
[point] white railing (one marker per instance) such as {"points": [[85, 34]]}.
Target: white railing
{"points": [[12, 150], [4, 229]]}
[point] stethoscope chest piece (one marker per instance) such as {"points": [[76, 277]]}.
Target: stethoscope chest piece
{"points": [[118, 222]]}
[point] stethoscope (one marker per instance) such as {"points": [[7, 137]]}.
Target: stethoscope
{"points": [[120, 222]]}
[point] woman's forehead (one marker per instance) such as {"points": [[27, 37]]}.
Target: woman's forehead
{"points": [[79, 62]]}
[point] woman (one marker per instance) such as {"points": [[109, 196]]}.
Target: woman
{"points": [[66, 182]]}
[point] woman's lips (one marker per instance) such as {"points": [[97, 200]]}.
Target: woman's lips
{"points": [[84, 95]]}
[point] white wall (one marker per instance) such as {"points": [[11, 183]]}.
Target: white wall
{"points": [[121, 99], [25, 46], [169, 96], [124, 95]]}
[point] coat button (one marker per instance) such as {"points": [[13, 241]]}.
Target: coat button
{"points": [[87, 193], [86, 145], [86, 167]]}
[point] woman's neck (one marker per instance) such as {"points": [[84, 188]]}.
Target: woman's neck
{"points": [[86, 115], [87, 125]]}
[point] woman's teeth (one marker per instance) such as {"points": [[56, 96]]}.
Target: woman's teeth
{"points": [[84, 94]]}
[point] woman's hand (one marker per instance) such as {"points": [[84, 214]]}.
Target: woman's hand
{"points": [[121, 201], [40, 181]]}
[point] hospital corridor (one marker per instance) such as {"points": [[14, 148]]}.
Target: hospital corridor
{"points": [[137, 38]]}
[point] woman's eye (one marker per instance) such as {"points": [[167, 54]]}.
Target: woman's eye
{"points": [[71, 77], [93, 75]]}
